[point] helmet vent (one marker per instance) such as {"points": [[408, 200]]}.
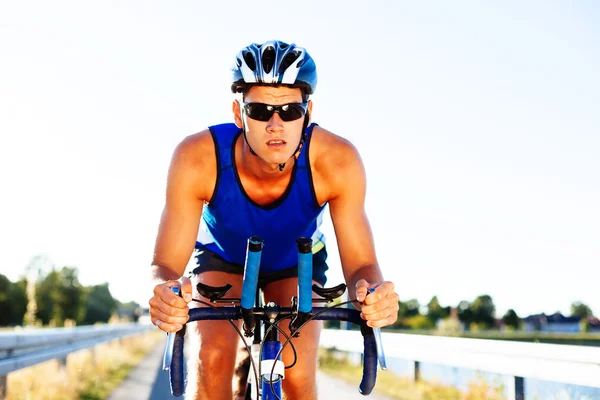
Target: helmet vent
{"points": [[238, 62], [250, 61], [268, 59], [288, 60]]}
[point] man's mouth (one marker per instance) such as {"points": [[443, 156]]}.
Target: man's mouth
{"points": [[276, 143]]}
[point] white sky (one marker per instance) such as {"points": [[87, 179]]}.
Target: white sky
{"points": [[478, 125]]}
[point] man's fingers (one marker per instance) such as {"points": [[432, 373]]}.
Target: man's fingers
{"points": [[172, 305], [381, 318], [163, 326], [362, 287], [169, 312], [382, 322], [158, 315], [186, 288], [381, 291], [380, 308], [166, 294], [374, 305]]}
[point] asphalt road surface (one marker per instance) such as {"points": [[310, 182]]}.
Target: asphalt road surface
{"points": [[148, 382]]}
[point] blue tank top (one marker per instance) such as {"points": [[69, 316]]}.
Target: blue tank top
{"points": [[231, 217]]}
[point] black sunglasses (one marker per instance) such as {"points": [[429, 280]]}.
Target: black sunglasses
{"points": [[264, 112]]}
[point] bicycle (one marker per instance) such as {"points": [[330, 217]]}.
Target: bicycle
{"points": [[256, 316]]}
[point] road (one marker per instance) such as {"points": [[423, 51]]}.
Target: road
{"points": [[148, 382]]}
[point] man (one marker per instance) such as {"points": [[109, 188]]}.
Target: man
{"points": [[270, 174]]}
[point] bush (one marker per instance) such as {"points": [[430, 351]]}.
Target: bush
{"points": [[418, 322]]}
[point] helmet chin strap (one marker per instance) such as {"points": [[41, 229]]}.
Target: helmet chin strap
{"points": [[298, 149]]}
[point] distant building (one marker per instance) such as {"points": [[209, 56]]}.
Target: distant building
{"points": [[499, 324], [144, 318], [551, 323]]}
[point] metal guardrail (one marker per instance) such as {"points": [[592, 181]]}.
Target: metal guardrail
{"points": [[576, 365], [21, 349]]}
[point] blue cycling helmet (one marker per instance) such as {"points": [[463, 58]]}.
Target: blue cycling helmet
{"points": [[274, 63]]}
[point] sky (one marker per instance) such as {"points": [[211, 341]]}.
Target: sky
{"points": [[477, 122]]}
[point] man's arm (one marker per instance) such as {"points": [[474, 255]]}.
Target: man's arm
{"points": [[185, 197], [355, 239], [192, 168]]}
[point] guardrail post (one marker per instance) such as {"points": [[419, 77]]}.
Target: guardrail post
{"points": [[62, 363], [416, 371], [516, 390], [3, 383], [519, 388], [93, 356]]}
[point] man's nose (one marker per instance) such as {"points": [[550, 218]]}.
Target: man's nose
{"points": [[275, 123]]}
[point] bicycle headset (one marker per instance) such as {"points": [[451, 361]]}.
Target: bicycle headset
{"points": [[275, 63]]}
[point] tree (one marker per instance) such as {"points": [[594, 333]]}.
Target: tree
{"points": [[47, 293], [511, 319], [484, 311], [100, 304], [32, 271], [18, 301], [71, 294], [578, 309], [435, 311], [59, 297], [406, 309], [13, 301], [465, 314], [5, 284], [409, 308], [584, 325]]}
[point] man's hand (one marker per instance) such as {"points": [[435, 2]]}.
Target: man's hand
{"points": [[380, 308], [169, 311]]}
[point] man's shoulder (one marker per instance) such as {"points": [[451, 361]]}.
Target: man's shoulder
{"points": [[194, 161], [196, 148], [330, 151], [335, 162]]}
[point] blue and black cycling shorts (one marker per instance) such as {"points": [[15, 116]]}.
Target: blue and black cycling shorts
{"points": [[207, 260]]}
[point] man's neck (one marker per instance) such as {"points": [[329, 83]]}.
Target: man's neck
{"points": [[256, 167]]}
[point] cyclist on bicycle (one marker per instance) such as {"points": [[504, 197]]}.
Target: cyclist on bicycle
{"points": [[270, 173]]}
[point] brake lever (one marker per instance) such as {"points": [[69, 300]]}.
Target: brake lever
{"points": [[168, 357], [378, 341]]}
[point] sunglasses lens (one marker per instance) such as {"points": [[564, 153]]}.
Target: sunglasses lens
{"points": [[264, 112], [259, 111], [291, 112]]}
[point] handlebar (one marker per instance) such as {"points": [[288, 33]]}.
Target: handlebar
{"points": [[301, 314], [320, 313]]}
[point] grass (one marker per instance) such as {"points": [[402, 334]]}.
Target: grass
{"points": [[397, 387], [88, 375]]}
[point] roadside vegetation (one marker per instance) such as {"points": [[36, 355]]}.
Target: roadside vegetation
{"points": [[88, 375], [338, 365]]}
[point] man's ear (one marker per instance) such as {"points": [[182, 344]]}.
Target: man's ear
{"points": [[237, 114], [309, 112]]}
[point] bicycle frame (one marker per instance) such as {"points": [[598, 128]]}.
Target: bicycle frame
{"points": [[251, 310]]}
